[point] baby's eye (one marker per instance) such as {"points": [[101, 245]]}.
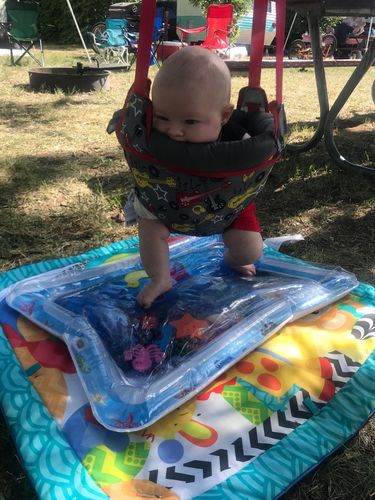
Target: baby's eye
{"points": [[191, 122], [161, 117]]}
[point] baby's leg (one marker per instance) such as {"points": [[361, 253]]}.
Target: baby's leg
{"points": [[243, 249], [154, 251]]}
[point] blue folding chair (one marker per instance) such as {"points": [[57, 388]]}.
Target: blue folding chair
{"points": [[112, 45], [118, 44], [157, 34]]}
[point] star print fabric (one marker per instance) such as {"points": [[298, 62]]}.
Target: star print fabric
{"points": [[191, 200]]}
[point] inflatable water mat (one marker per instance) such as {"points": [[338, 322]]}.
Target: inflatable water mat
{"points": [[138, 365], [252, 433]]}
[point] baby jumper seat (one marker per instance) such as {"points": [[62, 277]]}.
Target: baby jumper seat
{"points": [[199, 188]]}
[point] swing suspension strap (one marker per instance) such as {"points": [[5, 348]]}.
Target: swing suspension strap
{"points": [[252, 97], [148, 8], [257, 44], [255, 95]]}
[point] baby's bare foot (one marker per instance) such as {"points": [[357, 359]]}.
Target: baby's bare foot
{"points": [[247, 270], [152, 291], [244, 269]]}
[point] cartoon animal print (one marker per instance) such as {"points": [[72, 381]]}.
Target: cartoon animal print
{"points": [[331, 329], [277, 376], [181, 421], [44, 358], [107, 466], [297, 356], [240, 398]]}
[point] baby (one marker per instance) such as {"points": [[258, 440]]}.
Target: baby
{"points": [[191, 102]]}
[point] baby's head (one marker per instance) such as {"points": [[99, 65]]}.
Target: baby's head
{"points": [[191, 96]]}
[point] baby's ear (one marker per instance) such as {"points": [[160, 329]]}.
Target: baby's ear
{"points": [[226, 113]]}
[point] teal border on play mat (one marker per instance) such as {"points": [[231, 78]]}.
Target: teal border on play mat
{"points": [[57, 473]]}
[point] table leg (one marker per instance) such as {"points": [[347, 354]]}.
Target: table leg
{"points": [[367, 61], [321, 85]]}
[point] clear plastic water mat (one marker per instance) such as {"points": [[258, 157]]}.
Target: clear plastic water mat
{"points": [[137, 365]]}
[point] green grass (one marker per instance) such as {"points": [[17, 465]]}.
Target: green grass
{"points": [[63, 182]]}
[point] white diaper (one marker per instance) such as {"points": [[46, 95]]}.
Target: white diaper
{"points": [[141, 211], [134, 210]]}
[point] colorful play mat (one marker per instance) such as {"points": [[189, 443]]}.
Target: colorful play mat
{"points": [[270, 416]]}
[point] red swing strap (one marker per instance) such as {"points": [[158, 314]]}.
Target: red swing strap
{"points": [[276, 107], [257, 44], [141, 83], [253, 97], [250, 98], [148, 9]]}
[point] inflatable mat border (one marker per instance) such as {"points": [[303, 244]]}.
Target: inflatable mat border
{"points": [[107, 388], [41, 444]]}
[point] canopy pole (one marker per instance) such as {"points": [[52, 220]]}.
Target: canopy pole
{"points": [[369, 33], [290, 29], [79, 31]]}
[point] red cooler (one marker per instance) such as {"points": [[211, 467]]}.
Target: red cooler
{"points": [[168, 48]]}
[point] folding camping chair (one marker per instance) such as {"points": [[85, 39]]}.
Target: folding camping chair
{"points": [[219, 26], [118, 44], [160, 26], [22, 29], [113, 44]]}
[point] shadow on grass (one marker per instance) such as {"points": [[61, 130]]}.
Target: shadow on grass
{"points": [[26, 87], [19, 114], [355, 120], [63, 226], [302, 181], [332, 209], [354, 137], [26, 238], [14, 484], [344, 242], [334, 478], [110, 183], [28, 173]]}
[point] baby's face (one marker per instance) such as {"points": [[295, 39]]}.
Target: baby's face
{"points": [[187, 118]]}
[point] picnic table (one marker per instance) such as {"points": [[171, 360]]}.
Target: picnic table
{"points": [[313, 10]]}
